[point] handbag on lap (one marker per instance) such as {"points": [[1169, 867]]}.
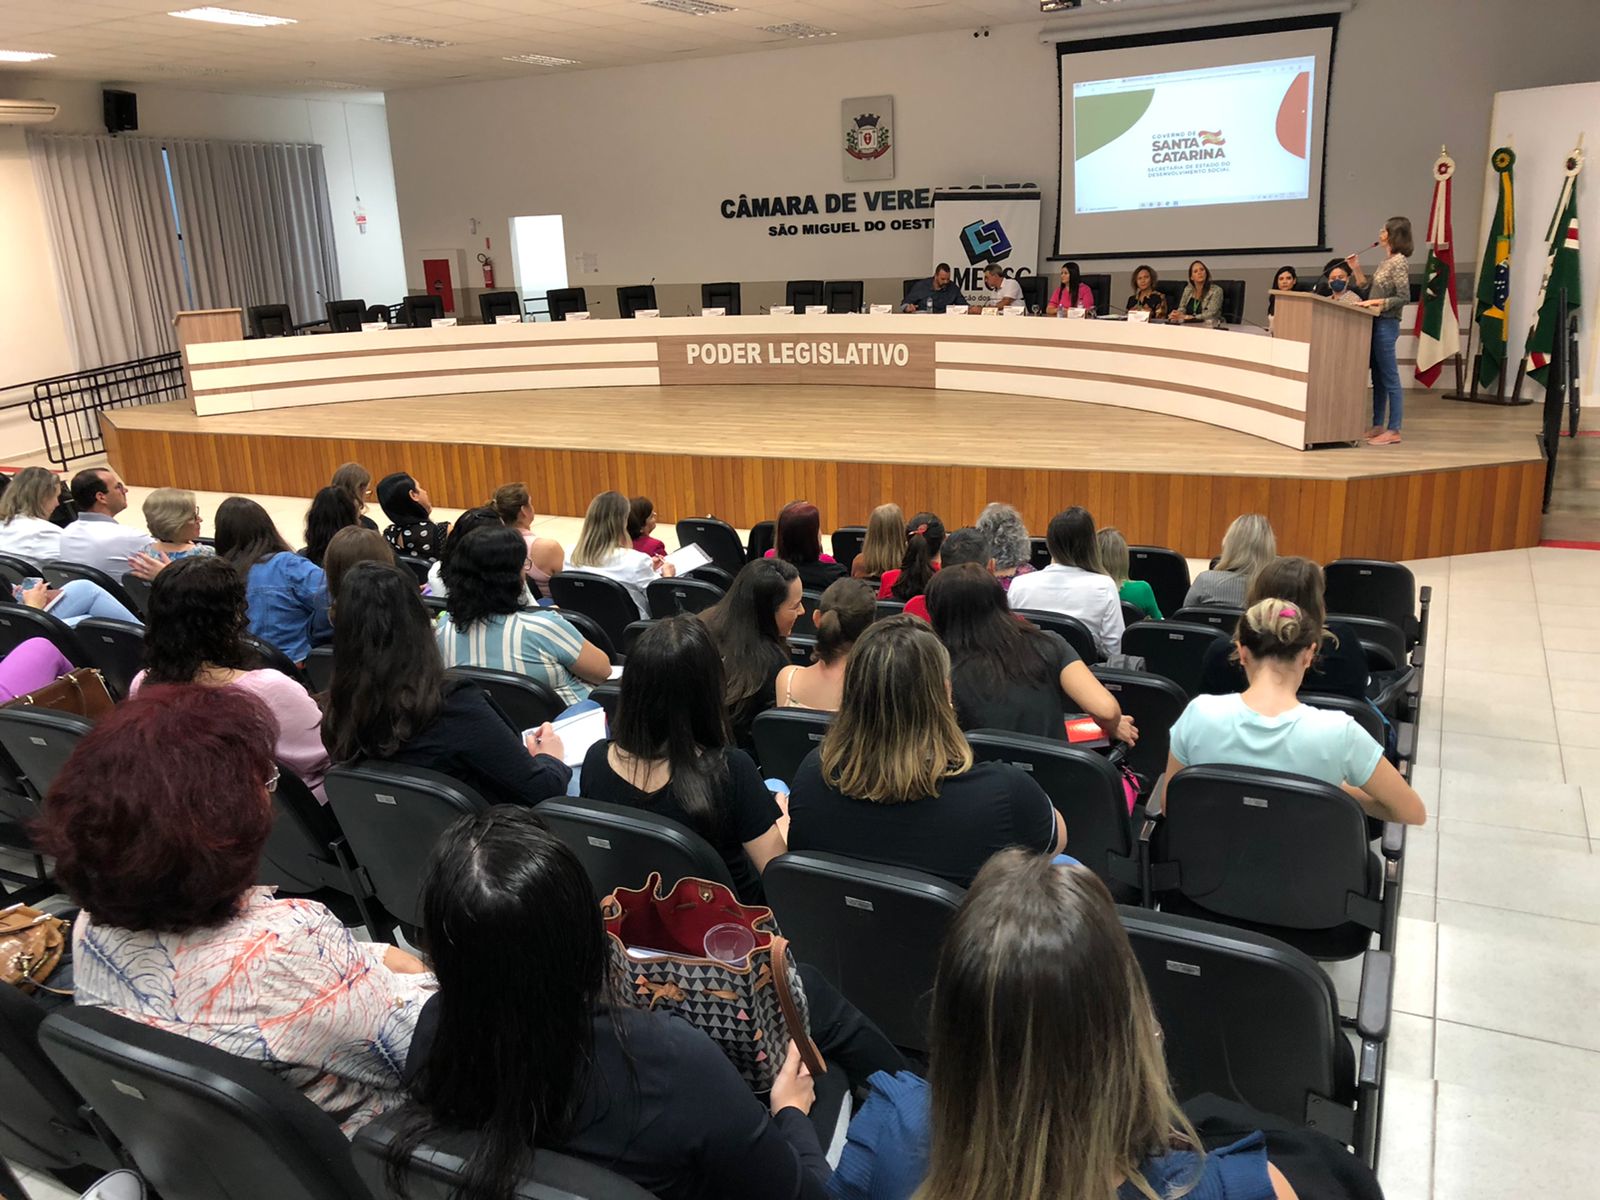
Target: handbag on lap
{"points": [[81, 692], [750, 1009]]}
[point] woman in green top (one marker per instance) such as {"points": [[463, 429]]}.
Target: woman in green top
{"points": [[1114, 559], [1389, 293], [1201, 299]]}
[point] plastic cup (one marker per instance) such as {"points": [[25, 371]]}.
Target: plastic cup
{"points": [[730, 943]]}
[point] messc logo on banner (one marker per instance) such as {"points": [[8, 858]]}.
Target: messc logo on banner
{"points": [[985, 242], [869, 138]]}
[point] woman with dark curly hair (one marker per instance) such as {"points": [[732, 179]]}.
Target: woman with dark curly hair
{"points": [[194, 634], [174, 933], [331, 510], [486, 625], [483, 517]]}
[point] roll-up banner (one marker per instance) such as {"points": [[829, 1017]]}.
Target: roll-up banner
{"points": [[973, 227]]}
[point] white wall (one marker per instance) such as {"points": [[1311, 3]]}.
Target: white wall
{"points": [[636, 159]]}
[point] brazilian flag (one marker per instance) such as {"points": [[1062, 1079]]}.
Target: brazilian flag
{"points": [[1492, 313]]}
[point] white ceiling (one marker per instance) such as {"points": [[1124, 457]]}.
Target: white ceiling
{"points": [[135, 41]]}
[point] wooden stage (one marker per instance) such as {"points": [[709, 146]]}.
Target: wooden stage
{"points": [[1466, 478]]}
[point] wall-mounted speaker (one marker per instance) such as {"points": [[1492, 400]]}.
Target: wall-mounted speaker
{"points": [[121, 110]]}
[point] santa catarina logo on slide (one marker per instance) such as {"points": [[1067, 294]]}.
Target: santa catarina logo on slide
{"points": [[985, 241]]}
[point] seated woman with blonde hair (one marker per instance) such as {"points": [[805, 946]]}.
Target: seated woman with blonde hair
{"points": [[1248, 546], [884, 545], [172, 515]]}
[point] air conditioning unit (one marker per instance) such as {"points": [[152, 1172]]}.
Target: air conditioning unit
{"points": [[27, 112]]}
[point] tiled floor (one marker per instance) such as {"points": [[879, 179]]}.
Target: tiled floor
{"points": [[1494, 1068]]}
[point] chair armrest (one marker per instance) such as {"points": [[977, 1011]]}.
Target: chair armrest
{"points": [[1375, 1003], [1394, 840]]}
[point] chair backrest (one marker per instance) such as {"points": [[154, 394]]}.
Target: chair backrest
{"points": [[763, 537], [601, 598], [632, 634], [39, 741], [1131, 613], [42, 1124], [846, 542], [115, 649], [527, 701], [319, 669], [420, 312], [716, 538], [419, 567], [721, 295], [494, 305], [392, 816], [806, 623], [1035, 292], [669, 597], [269, 320], [1085, 789], [299, 858], [712, 574], [1038, 553], [198, 1121], [1232, 299], [843, 295], [1155, 703], [1079, 636], [1359, 711], [593, 633], [783, 738], [345, 316], [874, 931], [1100, 288], [889, 608], [1175, 649], [634, 296], [620, 845], [801, 292], [562, 301], [1220, 616], [58, 573], [268, 655], [906, 285], [380, 312], [1241, 1015], [1370, 587], [138, 591], [1172, 289], [607, 695], [18, 623], [435, 1171], [21, 567], [1166, 571], [1265, 847], [1383, 641]]}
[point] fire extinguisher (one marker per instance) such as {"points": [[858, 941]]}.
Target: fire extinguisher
{"points": [[488, 270]]}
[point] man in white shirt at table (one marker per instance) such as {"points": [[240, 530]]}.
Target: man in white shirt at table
{"points": [[1005, 292], [96, 539]]}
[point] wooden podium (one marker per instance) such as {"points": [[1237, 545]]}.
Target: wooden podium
{"points": [[1337, 375], [205, 325]]}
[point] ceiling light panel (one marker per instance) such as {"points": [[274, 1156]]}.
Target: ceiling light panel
{"points": [[800, 29], [24, 56], [230, 16], [695, 8], [540, 60], [406, 39]]}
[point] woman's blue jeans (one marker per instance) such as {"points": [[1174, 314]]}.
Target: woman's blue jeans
{"points": [[1386, 373]]}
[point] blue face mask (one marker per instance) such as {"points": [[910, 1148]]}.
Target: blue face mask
{"points": [[1336, 285]]}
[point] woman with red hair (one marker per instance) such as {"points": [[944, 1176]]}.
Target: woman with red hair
{"points": [[798, 541], [163, 860]]}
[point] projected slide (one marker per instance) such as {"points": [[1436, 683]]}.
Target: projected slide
{"points": [[1236, 134]]}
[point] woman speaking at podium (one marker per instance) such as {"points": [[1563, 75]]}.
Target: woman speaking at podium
{"points": [[1388, 293]]}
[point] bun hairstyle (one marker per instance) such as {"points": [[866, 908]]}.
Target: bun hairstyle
{"points": [[847, 607], [1278, 629]]}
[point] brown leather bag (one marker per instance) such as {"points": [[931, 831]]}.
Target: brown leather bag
{"points": [[81, 692], [32, 944]]}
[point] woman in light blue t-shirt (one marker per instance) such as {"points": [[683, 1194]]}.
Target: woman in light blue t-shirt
{"points": [[1267, 726]]}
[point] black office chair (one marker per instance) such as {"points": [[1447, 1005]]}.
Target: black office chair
{"points": [[1100, 288], [345, 316], [1175, 649], [806, 623], [608, 696], [601, 598], [1359, 711], [1219, 616], [21, 567], [906, 285], [319, 669], [1131, 613], [632, 634], [1232, 300], [763, 536], [872, 930], [564, 301], [265, 654], [18, 623], [669, 597], [419, 567], [435, 605], [634, 296], [392, 815], [1038, 553], [1155, 703], [721, 295], [59, 573], [138, 591], [716, 538], [843, 295], [1383, 642], [846, 542], [526, 701], [594, 634], [712, 574], [620, 845], [1369, 587], [269, 320], [38, 742], [1079, 636], [1087, 791], [1251, 1019], [889, 608], [784, 736], [1172, 289], [115, 649], [494, 305], [1035, 291], [801, 293], [380, 312], [1166, 571], [199, 1122], [419, 312], [1283, 855]]}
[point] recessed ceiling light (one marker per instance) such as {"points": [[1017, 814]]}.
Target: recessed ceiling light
{"points": [[541, 60], [695, 8], [230, 16], [23, 55], [799, 29], [406, 39]]}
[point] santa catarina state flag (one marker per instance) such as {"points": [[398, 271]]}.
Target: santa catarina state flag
{"points": [[1438, 328], [1560, 274], [1493, 309]]}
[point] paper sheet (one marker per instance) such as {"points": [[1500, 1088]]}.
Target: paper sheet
{"points": [[687, 558], [577, 733]]}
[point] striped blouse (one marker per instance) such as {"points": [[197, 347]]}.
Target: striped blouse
{"points": [[536, 642]]}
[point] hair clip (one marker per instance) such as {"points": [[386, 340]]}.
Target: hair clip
{"points": [[1289, 612], [919, 530]]}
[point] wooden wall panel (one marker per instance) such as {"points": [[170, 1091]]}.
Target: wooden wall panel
{"points": [[1410, 515]]}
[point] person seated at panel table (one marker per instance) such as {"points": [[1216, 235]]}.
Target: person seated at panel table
{"points": [[934, 294], [1007, 293], [1336, 284], [1070, 293], [1287, 279], [1201, 300], [1146, 297]]}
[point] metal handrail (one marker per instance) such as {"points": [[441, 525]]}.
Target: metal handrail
{"points": [[67, 408]]}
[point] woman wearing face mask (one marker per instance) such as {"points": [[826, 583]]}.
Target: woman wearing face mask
{"points": [[1336, 285]]}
